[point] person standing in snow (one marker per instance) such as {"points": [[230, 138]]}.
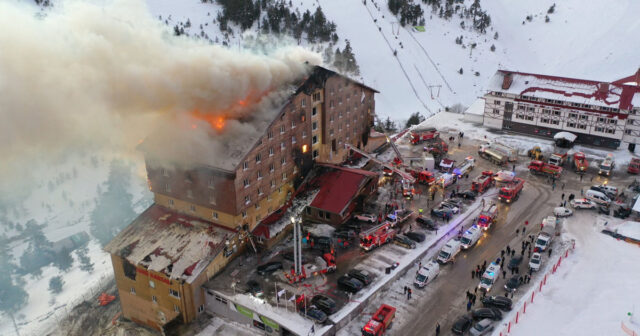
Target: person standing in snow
{"points": [[473, 273], [437, 329], [549, 252], [469, 305]]}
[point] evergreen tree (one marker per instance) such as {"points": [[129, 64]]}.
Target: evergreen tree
{"points": [[349, 58], [85, 262], [389, 125], [338, 60], [63, 260], [114, 209], [39, 251], [414, 119]]}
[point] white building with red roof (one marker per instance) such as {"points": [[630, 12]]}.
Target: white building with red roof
{"points": [[598, 113]]}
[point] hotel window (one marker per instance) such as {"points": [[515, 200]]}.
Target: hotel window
{"points": [[215, 215], [282, 145], [189, 193], [314, 111], [212, 199], [244, 214], [573, 115], [331, 131], [544, 120], [284, 176], [497, 102], [270, 135], [571, 125], [303, 103], [154, 299], [303, 117], [613, 121], [331, 104], [545, 111], [176, 309], [167, 187], [599, 129], [315, 140], [521, 107], [600, 120], [271, 151], [611, 130], [628, 131], [259, 174], [200, 308], [315, 154], [165, 172], [258, 158], [282, 129], [170, 202], [152, 284], [133, 291], [556, 113], [174, 293], [283, 161], [530, 109], [211, 183], [316, 97], [247, 199], [293, 124], [331, 118], [555, 121], [272, 167], [582, 126], [496, 111], [245, 165], [246, 183], [273, 184], [257, 206], [260, 191], [314, 126], [583, 117], [304, 134], [530, 118], [192, 208], [293, 139]]}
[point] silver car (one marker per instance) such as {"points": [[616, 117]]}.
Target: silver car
{"points": [[484, 327]]}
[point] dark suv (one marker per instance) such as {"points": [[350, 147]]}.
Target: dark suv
{"points": [[427, 223], [269, 267], [349, 284], [362, 276], [497, 302], [461, 325], [324, 303], [490, 313]]}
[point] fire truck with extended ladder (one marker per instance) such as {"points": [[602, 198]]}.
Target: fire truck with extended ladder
{"points": [[321, 265], [419, 135], [511, 192], [484, 181], [488, 216], [377, 236]]}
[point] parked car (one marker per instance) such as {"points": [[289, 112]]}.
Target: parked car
{"points": [[324, 303], [486, 313], [321, 242], [500, 302], [269, 267], [349, 284], [254, 288], [609, 191], [314, 314], [367, 218], [344, 233], [515, 262], [603, 209], [483, 327], [513, 283], [404, 241], [456, 202], [442, 212], [454, 208], [416, 236], [622, 212], [536, 261], [562, 212], [426, 223], [289, 256], [467, 194], [361, 275], [461, 325], [582, 203], [355, 226]]}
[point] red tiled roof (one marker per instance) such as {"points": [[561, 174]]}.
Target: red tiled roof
{"points": [[338, 187]]}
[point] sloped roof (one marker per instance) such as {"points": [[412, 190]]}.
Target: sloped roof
{"points": [[582, 91], [165, 241], [338, 187]]}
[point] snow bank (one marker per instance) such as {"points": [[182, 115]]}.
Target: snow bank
{"points": [[629, 229]]}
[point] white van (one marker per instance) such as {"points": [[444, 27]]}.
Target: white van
{"points": [[597, 197], [449, 251], [426, 274], [470, 237], [489, 277]]}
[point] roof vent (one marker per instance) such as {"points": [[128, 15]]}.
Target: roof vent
{"points": [[506, 81]]}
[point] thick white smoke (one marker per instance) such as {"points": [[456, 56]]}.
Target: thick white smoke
{"points": [[89, 75]]}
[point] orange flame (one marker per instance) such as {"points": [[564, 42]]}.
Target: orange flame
{"points": [[216, 122]]}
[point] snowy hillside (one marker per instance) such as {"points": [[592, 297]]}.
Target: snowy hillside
{"points": [[570, 44]]}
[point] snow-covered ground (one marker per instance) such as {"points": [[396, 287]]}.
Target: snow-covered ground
{"points": [[593, 290], [63, 201], [629, 229]]}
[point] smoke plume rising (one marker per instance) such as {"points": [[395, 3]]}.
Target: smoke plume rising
{"points": [[103, 76]]}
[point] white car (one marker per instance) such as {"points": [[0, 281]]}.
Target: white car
{"points": [[582, 203], [367, 218], [454, 208], [536, 261], [562, 212]]}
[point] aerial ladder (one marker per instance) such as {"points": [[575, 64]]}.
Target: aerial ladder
{"points": [[391, 167]]}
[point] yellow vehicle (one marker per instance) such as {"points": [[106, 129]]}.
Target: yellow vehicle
{"points": [[535, 153]]}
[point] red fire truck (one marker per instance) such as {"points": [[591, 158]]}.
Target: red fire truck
{"points": [[377, 236], [511, 191], [488, 216], [580, 162], [540, 168], [483, 182], [380, 321], [321, 265], [419, 135], [634, 166]]}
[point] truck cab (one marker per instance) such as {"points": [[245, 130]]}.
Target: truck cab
{"points": [[607, 165], [380, 321], [634, 166]]}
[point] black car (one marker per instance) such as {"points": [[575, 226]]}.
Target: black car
{"points": [[515, 262], [344, 233], [269, 267], [461, 325], [602, 209], [501, 302], [361, 275], [416, 236], [349, 284], [321, 242], [254, 288], [513, 283], [426, 223], [353, 225], [490, 313], [622, 212], [314, 314], [289, 256], [442, 212], [467, 194], [404, 242], [324, 303]]}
